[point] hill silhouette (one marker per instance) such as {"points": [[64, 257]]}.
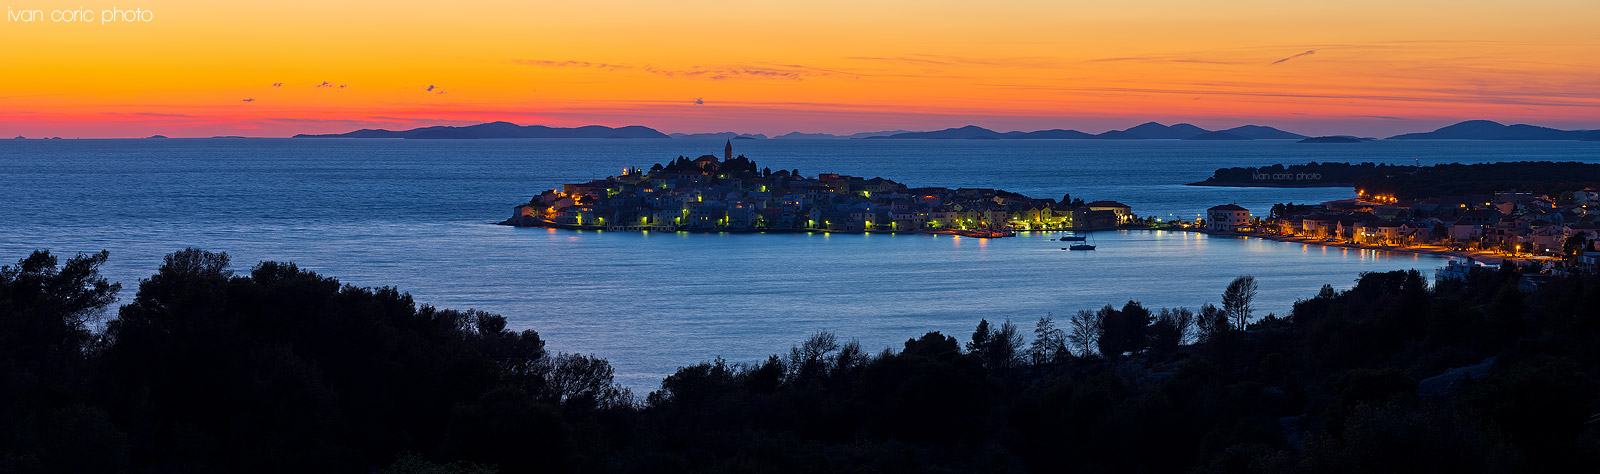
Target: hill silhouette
{"points": [[1144, 131], [1049, 134], [1158, 131], [967, 132], [1262, 132], [500, 130], [1491, 130]]}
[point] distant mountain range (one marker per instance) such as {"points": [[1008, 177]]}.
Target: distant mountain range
{"points": [[1468, 130], [1144, 131], [501, 130], [1490, 130]]}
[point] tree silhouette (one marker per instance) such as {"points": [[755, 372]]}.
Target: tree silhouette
{"points": [[1238, 300], [997, 348], [1049, 342], [1084, 331], [45, 311]]}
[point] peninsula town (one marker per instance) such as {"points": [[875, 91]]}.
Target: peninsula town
{"points": [[732, 194]]}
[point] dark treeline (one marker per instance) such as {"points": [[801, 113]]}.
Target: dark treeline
{"points": [[282, 370], [1542, 177]]}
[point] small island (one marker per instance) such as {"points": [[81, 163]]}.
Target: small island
{"points": [[733, 194]]}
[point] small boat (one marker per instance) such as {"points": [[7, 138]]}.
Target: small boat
{"points": [[1080, 247]]}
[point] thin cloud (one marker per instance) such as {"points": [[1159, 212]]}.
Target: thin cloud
{"points": [[277, 84], [324, 84], [1307, 53], [250, 100], [1385, 117], [699, 101], [430, 88]]}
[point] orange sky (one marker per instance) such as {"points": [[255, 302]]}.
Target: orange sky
{"points": [[1353, 66]]}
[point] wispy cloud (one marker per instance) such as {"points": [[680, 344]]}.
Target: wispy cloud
{"points": [[1307, 53], [1384, 117], [250, 100], [699, 101], [719, 72]]}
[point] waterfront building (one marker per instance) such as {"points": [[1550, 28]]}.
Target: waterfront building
{"points": [[1123, 212], [1227, 218]]}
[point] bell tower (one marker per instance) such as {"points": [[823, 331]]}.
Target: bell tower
{"points": [[727, 151]]}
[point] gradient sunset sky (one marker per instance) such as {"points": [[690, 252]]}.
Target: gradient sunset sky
{"points": [[1347, 67]]}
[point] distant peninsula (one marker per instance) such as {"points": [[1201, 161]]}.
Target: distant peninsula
{"points": [[1309, 175], [1543, 177], [1413, 182], [500, 130]]}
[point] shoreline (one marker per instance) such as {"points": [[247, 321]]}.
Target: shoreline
{"points": [[1488, 258], [976, 233]]}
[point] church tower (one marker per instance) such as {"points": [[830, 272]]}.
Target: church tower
{"points": [[727, 151]]}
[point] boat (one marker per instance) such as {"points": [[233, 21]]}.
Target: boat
{"points": [[1456, 270], [1082, 246]]}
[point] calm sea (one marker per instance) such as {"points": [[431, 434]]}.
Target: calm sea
{"points": [[418, 215]]}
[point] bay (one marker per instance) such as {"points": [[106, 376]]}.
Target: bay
{"points": [[418, 215]]}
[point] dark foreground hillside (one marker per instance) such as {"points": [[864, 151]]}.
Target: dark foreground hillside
{"points": [[282, 370]]}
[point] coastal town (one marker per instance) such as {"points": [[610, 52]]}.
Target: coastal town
{"points": [[1560, 232], [732, 194]]}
